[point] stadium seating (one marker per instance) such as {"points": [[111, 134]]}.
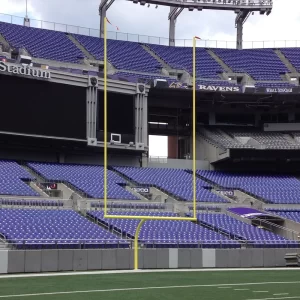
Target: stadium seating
{"points": [[220, 139], [292, 54], [249, 138], [268, 140], [130, 206], [29, 202], [35, 229], [87, 178], [239, 230], [121, 54], [41, 43], [181, 58], [175, 182], [12, 180], [274, 85], [276, 189], [292, 214], [261, 64], [167, 234]]}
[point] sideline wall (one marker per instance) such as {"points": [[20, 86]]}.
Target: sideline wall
{"points": [[34, 261]]}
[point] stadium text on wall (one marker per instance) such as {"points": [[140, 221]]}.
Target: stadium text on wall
{"points": [[24, 70]]}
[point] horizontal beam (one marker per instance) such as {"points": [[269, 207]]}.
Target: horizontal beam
{"points": [[149, 218], [253, 5]]}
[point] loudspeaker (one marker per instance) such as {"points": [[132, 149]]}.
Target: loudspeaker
{"points": [[248, 89], [92, 142], [141, 88], [160, 83], [140, 146]]}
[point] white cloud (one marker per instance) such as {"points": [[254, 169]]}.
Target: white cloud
{"points": [[17, 8], [150, 23]]}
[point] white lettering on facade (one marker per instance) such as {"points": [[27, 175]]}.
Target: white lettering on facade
{"points": [[23, 70]]}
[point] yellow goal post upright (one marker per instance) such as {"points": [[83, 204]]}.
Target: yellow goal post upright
{"points": [[143, 219]]}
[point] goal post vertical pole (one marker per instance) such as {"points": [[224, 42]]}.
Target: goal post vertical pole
{"points": [[194, 127], [105, 117], [136, 244]]}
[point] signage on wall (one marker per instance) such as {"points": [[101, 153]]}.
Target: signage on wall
{"points": [[48, 186], [227, 193], [208, 88], [24, 70], [274, 90], [141, 190]]}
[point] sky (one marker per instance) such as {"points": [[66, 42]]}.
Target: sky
{"points": [[281, 25]]}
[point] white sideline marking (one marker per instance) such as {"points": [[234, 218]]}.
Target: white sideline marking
{"points": [[281, 294], [144, 271], [224, 287], [241, 289], [294, 297], [260, 291], [154, 288]]}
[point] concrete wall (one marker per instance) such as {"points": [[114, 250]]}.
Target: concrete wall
{"points": [[34, 261], [180, 164]]}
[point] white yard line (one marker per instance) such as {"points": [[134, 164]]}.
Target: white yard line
{"points": [[260, 291], [294, 297], [241, 289], [154, 288], [280, 294], [145, 271]]}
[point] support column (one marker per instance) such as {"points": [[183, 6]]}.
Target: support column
{"points": [[172, 27], [240, 19], [291, 117], [91, 107], [103, 7], [102, 13], [212, 118], [239, 34], [141, 116], [174, 13]]}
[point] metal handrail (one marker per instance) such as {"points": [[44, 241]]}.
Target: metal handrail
{"points": [[116, 35]]}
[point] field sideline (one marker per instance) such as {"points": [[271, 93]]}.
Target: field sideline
{"points": [[261, 284]]}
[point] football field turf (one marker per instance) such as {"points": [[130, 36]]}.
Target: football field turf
{"points": [[216, 285]]}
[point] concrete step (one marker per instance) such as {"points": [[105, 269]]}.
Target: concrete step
{"points": [[85, 52], [287, 63], [219, 61], [6, 45], [163, 63], [37, 189], [67, 192]]}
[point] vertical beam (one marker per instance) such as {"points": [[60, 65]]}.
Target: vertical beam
{"points": [[91, 107], [137, 118], [102, 13], [172, 19], [239, 34], [136, 244], [145, 120]]}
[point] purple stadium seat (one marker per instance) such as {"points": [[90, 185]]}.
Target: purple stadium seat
{"points": [[13, 180], [167, 234], [254, 236], [175, 182], [87, 178], [277, 189], [41, 43]]}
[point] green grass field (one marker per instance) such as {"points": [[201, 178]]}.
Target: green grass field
{"points": [[216, 285]]}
